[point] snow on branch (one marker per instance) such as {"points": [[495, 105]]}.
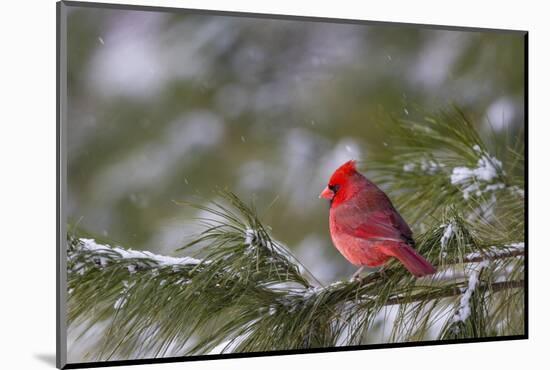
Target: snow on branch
{"points": [[449, 272], [90, 245], [85, 252], [479, 179], [464, 310], [450, 229], [492, 253]]}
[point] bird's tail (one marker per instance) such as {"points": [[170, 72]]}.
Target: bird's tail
{"points": [[414, 262]]}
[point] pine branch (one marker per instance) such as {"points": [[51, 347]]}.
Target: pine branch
{"points": [[244, 273], [495, 255], [490, 254], [455, 291], [441, 161], [242, 291]]}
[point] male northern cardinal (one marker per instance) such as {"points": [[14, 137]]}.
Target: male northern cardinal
{"points": [[364, 225]]}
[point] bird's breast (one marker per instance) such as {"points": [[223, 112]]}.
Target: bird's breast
{"points": [[358, 251]]}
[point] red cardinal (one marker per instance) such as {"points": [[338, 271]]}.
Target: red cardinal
{"points": [[364, 225]]}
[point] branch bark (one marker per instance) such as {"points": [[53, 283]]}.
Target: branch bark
{"points": [[454, 291], [492, 256], [472, 258]]}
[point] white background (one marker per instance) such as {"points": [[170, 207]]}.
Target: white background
{"points": [[27, 124]]}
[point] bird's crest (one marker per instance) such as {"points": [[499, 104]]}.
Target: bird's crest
{"points": [[347, 168], [344, 171]]}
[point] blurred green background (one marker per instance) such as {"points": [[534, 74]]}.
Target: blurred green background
{"points": [[166, 107]]}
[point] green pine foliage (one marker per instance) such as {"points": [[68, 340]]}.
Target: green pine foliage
{"points": [[243, 291]]}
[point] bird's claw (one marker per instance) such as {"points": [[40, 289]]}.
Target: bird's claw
{"points": [[356, 277]]}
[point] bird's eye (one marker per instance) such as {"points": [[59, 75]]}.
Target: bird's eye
{"points": [[334, 188]]}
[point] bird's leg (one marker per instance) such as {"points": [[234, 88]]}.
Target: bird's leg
{"points": [[355, 276], [382, 272]]}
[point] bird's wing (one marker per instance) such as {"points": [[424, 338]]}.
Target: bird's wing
{"points": [[384, 224], [379, 224], [400, 224]]}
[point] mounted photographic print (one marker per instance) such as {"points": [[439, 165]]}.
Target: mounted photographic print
{"points": [[235, 185]]}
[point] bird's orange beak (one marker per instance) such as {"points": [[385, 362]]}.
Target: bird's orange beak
{"points": [[327, 194]]}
